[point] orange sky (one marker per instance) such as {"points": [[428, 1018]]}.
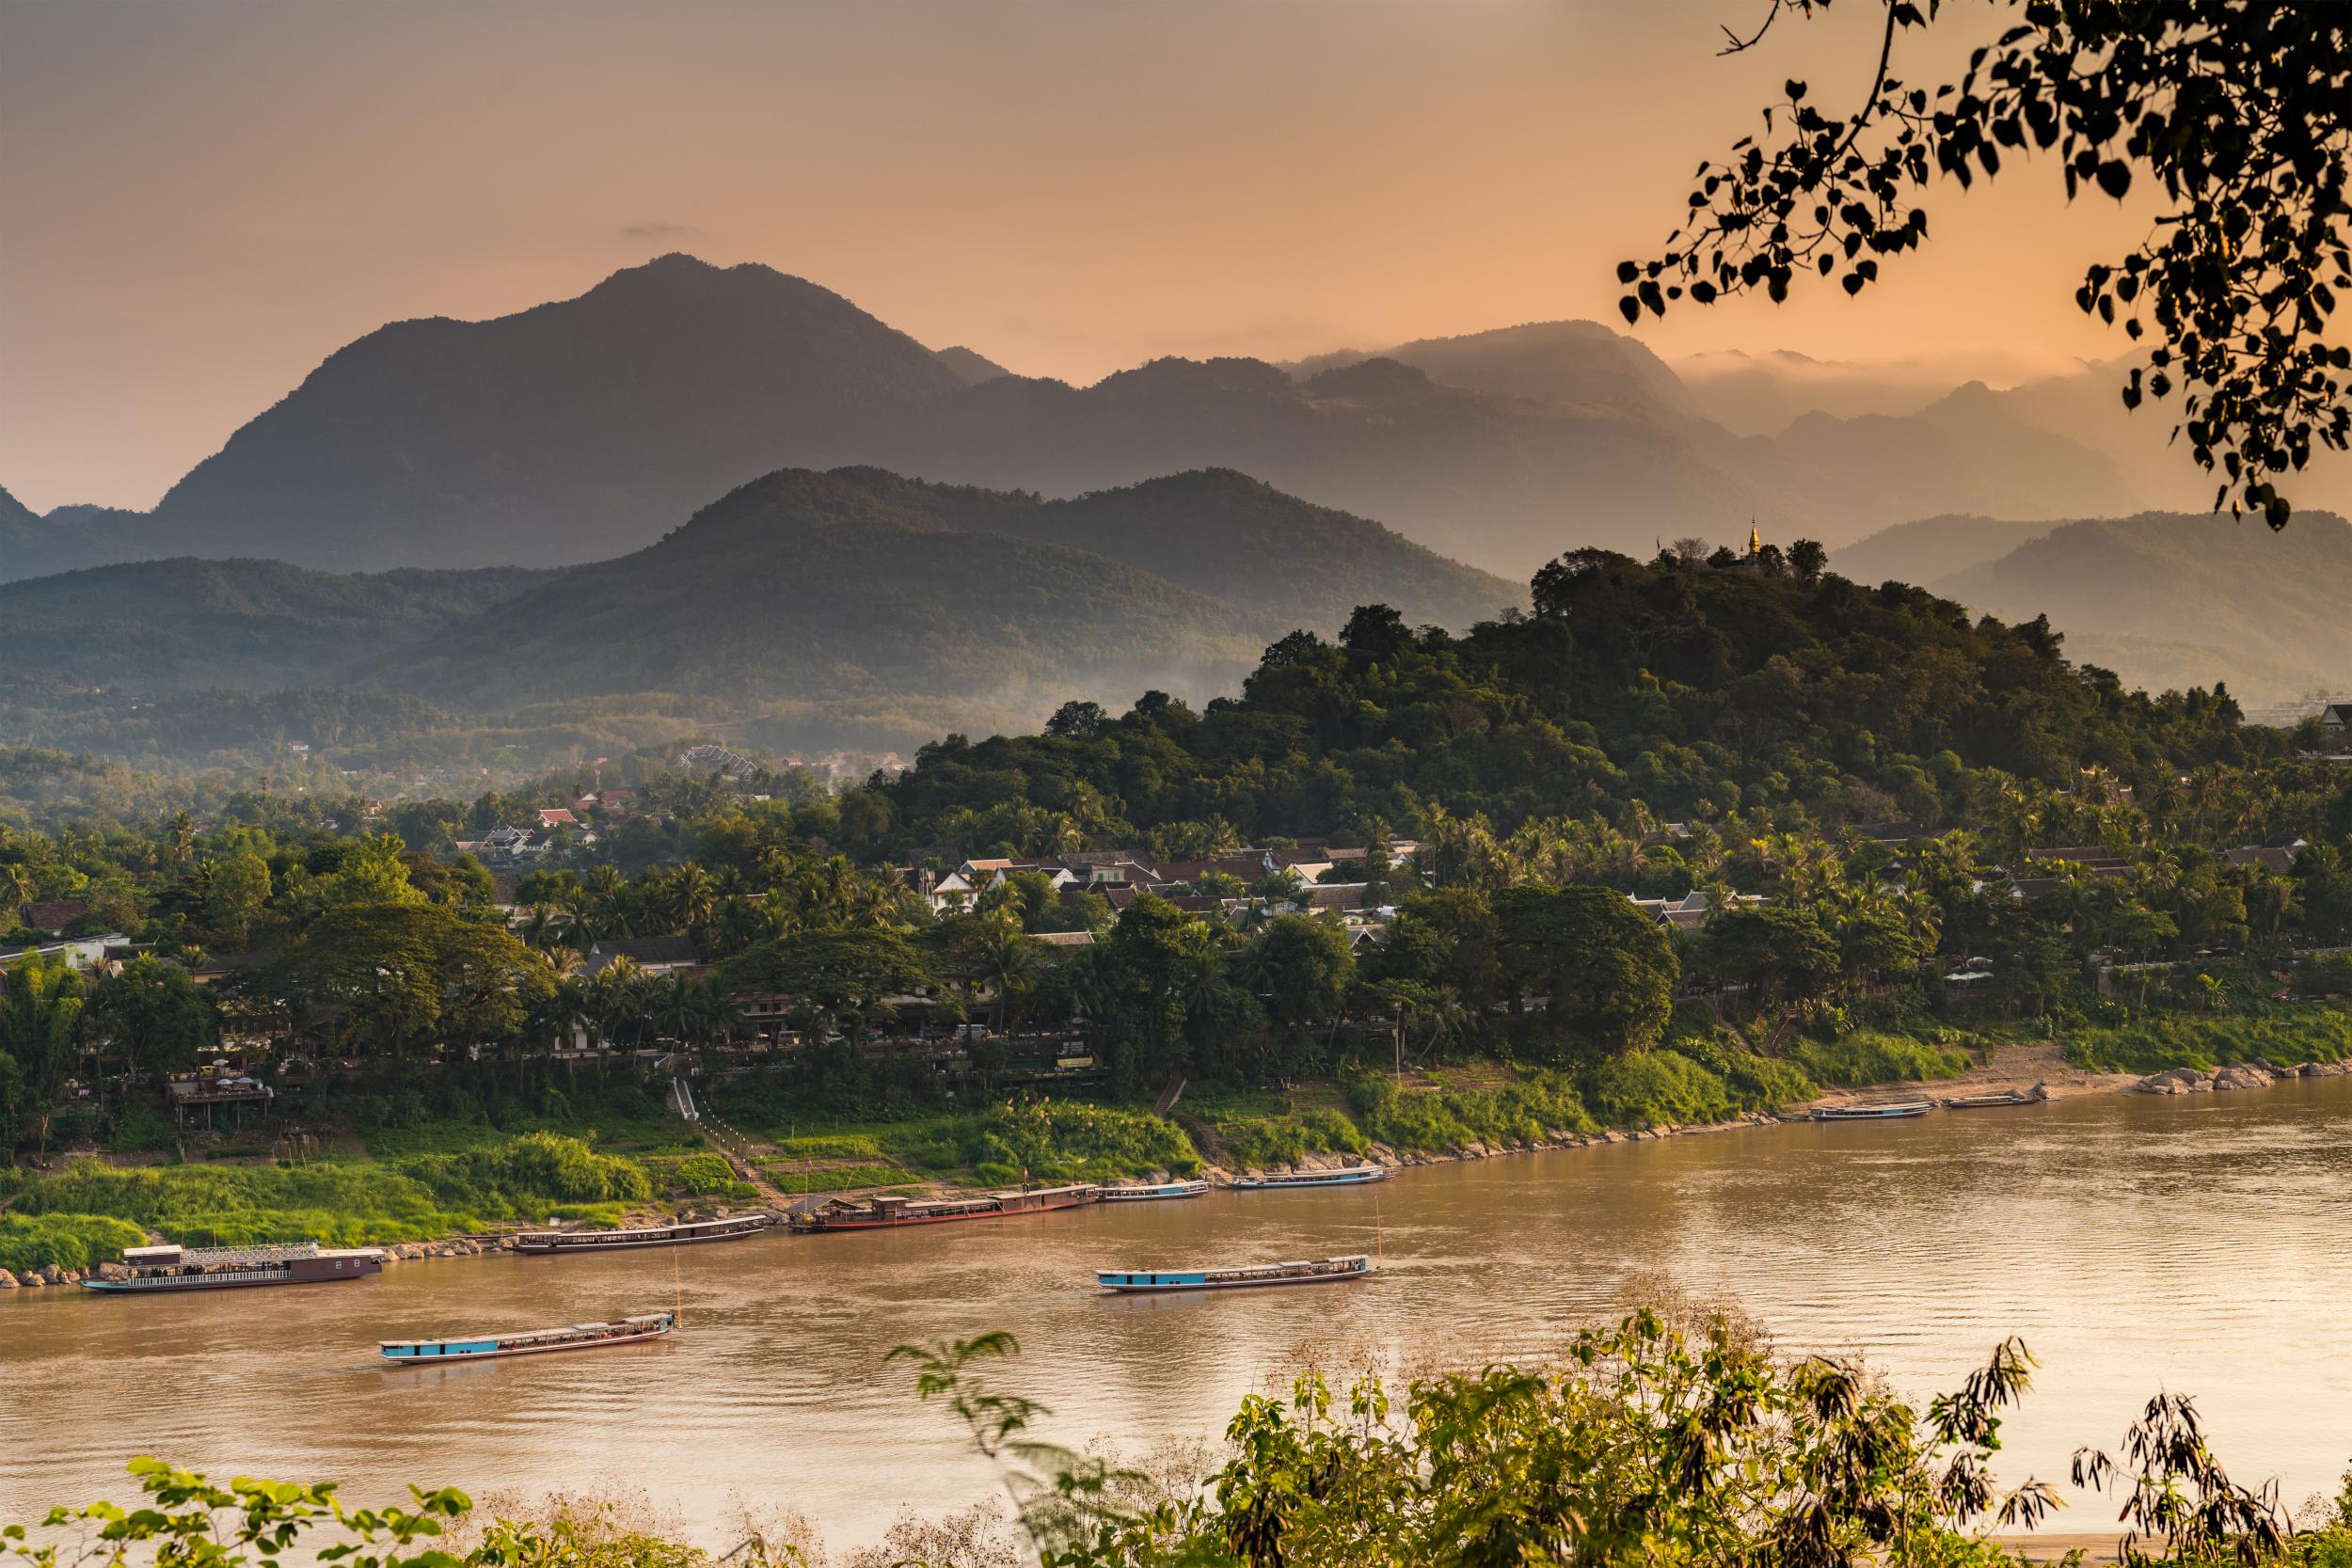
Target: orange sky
{"points": [[200, 198]]}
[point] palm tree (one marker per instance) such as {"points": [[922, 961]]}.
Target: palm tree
{"points": [[1009, 966]]}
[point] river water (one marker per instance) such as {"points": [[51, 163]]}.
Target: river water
{"points": [[2200, 1243]]}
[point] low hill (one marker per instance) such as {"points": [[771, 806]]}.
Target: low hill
{"points": [[165, 625], [1280, 559], [803, 584], [2178, 599], [1932, 548]]}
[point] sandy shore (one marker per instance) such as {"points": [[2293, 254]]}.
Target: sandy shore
{"points": [[2014, 1068]]}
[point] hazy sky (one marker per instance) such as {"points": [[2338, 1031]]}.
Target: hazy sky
{"points": [[199, 199]]}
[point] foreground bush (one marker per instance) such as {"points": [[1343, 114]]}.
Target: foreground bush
{"points": [[1647, 1444]]}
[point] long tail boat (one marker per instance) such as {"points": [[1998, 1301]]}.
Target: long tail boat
{"points": [[483, 1347], [883, 1213], [171, 1267], [1353, 1176], [1987, 1101], [1319, 1271], [1154, 1192], [1873, 1112], [733, 1228]]}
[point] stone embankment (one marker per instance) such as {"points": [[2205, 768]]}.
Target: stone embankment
{"points": [[2236, 1075]]}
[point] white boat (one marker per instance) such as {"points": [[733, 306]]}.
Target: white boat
{"points": [[1874, 1113], [1318, 1271], [1152, 1194], [1352, 1176], [538, 1341]]}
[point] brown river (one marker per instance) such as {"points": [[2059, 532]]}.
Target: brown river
{"points": [[2201, 1243]]}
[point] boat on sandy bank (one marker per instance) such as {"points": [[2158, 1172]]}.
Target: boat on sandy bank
{"points": [[1154, 1192], [1354, 1175], [1873, 1112], [885, 1213], [684, 1232], [538, 1341], [1318, 1271], [170, 1267], [1987, 1101]]}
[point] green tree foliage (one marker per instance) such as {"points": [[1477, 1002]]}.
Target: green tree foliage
{"points": [[1607, 967], [39, 1013], [150, 1017], [2238, 111]]}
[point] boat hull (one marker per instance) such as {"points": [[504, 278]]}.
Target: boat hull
{"points": [[894, 1224], [1143, 1282], [1986, 1102], [547, 1245], [1320, 1178], [450, 1353], [1889, 1113], [170, 1286], [1169, 1193]]}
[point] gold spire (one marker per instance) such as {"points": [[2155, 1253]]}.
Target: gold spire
{"points": [[1756, 540]]}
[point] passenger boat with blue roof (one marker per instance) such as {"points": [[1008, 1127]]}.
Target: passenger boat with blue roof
{"points": [[1153, 1193], [1318, 1271], [538, 1341], [1352, 1175]]}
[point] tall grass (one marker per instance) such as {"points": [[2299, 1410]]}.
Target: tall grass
{"points": [[1869, 1056], [1428, 1121], [2282, 1039], [1287, 1139], [69, 1241], [348, 1203], [1656, 1088]]}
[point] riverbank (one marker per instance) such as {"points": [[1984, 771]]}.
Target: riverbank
{"points": [[459, 1188]]}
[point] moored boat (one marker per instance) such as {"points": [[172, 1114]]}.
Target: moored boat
{"points": [[171, 1267], [1987, 1101], [1153, 1193], [1318, 1271], [1352, 1175], [483, 1347], [733, 1228], [1873, 1112], [886, 1212]]}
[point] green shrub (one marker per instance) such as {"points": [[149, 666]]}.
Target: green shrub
{"points": [[839, 1178], [1071, 1140], [1285, 1140], [348, 1203], [1869, 1056], [1656, 1088], [1755, 1082], [69, 1241], [2282, 1037], [1428, 1121]]}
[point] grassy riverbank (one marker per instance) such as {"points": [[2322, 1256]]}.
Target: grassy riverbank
{"points": [[442, 1177]]}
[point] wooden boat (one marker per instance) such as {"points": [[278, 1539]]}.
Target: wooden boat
{"points": [[1987, 1101], [483, 1347], [1319, 1271], [1152, 1193], [733, 1228], [1873, 1112], [171, 1267], [1352, 1176], [883, 1213]]}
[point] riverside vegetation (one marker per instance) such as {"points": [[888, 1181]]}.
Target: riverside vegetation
{"points": [[1740, 727], [1667, 1438]]}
